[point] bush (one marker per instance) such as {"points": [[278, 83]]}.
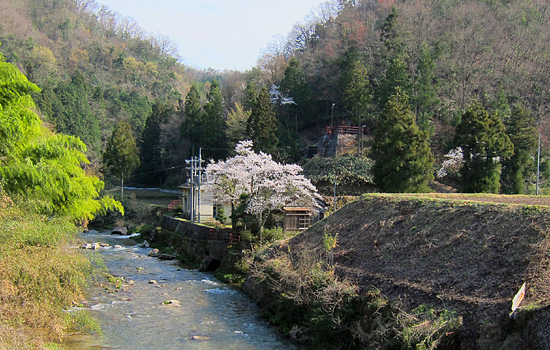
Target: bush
{"points": [[351, 173], [312, 305]]}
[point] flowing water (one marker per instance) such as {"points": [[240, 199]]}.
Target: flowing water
{"points": [[211, 315]]}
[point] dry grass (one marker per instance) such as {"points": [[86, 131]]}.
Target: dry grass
{"points": [[38, 278], [523, 200], [467, 253]]}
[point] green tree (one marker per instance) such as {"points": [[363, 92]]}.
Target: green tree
{"points": [[357, 94], [18, 123], [236, 125], [191, 127], [262, 124], [425, 100], [213, 137], [484, 141], [396, 78], [523, 136], [151, 157], [390, 36], [294, 86], [403, 159], [44, 169], [121, 154], [395, 61], [68, 107], [250, 96], [501, 106]]}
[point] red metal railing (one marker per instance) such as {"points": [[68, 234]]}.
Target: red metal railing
{"points": [[344, 129]]}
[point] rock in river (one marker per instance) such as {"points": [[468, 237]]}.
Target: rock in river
{"points": [[120, 230], [154, 253]]}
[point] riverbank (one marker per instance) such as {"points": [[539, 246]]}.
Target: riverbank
{"points": [[401, 272], [39, 279]]}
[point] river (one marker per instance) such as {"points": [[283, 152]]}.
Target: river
{"points": [[204, 314]]}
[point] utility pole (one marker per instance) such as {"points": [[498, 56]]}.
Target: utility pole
{"points": [[332, 118], [191, 188], [199, 160], [195, 177], [334, 169], [538, 168]]}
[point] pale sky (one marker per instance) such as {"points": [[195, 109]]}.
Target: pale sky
{"points": [[219, 34]]}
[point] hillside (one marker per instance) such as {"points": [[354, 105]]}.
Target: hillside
{"points": [[95, 67], [340, 66], [465, 257]]}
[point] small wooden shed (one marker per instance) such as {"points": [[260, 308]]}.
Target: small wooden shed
{"points": [[297, 218]]}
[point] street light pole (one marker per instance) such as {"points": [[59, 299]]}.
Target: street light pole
{"points": [[332, 118]]}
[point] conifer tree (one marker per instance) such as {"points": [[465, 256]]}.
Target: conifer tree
{"points": [[250, 96], [262, 124], [213, 136], [523, 135], [396, 78], [484, 141], [389, 35], [294, 85], [121, 154], [396, 62], [151, 147], [403, 159], [191, 126], [68, 107], [425, 98], [236, 125], [357, 93]]}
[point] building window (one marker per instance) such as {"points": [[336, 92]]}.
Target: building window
{"points": [[304, 221]]}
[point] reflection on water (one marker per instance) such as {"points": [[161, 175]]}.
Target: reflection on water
{"points": [[204, 314]]}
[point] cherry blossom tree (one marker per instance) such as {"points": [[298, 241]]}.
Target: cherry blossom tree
{"points": [[453, 163], [268, 185]]}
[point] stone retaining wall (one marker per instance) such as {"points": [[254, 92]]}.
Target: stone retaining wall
{"points": [[198, 242]]}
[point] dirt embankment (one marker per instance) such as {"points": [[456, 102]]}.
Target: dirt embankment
{"points": [[466, 257]]}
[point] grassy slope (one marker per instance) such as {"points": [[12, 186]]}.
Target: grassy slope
{"points": [[453, 253], [38, 279]]}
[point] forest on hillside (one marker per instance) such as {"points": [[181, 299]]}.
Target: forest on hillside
{"points": [[456, 62]]}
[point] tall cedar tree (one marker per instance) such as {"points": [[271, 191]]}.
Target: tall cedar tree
{"points": [[191, 126], [121, 154], [262, 124], [396, 77], [294, 85], [213, 136], [294, 116], [484, 141], [396, 73], [151, 160], [425, 97], [523, 135], [403, 159], [250, 96], [357, 93], [389, 35]]}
